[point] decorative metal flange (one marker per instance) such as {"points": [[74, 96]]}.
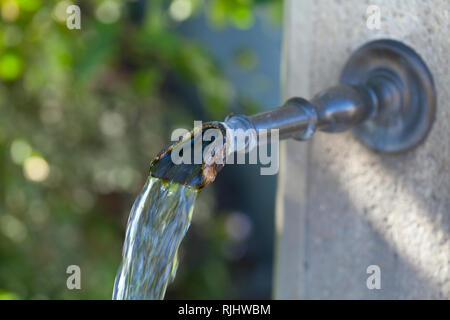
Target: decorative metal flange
{"points": [[404, 94]]}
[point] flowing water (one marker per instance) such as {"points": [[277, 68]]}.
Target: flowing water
{"points": [[157, 224]]}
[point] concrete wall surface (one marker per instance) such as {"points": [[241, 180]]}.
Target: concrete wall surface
{"points": [[342, 207]]}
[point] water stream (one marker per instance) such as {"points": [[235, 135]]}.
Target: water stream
{"points": [[158, 222]]}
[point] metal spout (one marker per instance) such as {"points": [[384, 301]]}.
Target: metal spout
{"points": [[386, 94]]}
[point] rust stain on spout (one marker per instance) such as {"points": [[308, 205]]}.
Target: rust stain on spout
{"points": [[191, 174]]}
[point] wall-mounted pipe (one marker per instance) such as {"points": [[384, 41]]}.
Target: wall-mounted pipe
{"points": [[386, 94]]}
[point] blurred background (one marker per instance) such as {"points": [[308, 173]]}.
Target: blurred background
{"points": [[82, 113]]}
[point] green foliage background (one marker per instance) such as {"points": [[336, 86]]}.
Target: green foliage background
{"points": [[96, 105]]}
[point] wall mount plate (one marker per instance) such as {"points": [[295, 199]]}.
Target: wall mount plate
{"points": [[405, 94]]}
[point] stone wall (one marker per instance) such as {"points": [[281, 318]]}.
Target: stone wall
{"points": [[342, 207]]}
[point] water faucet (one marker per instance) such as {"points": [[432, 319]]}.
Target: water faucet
{"points": [[386, 95]]}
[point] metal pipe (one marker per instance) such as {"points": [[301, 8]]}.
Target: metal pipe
{"points": [[294, 117], [333, 110], [386, 94]]}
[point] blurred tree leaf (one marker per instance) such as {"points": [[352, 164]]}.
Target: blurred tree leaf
{"points": [[5, 295], [11, 66], [82, 113]]}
